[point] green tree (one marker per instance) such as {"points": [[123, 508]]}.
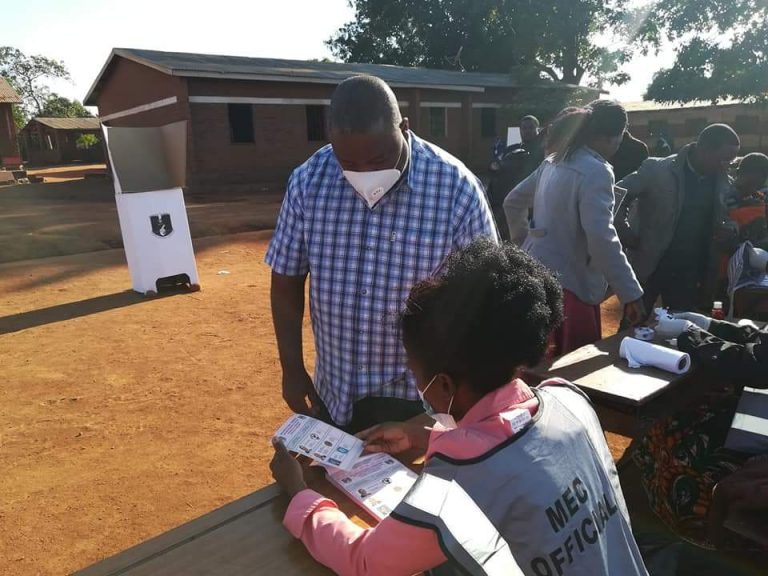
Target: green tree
{"points": [[563, 40], [60, 107], [27, 75], [86, 141], [723, 49], [19, 117]]}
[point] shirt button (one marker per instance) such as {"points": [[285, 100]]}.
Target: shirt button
{"points": [[363, 291]]}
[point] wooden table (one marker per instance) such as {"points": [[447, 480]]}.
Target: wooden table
{"points": [[626, 399], [621, 395], [245, 537]]}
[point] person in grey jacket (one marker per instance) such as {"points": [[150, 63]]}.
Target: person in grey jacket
{"points": [[671, 216], [572, 232]]}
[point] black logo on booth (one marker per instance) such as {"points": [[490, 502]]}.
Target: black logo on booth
{"points": [[161, 225]]}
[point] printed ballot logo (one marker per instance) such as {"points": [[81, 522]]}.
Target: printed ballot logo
{"points": [[161, 225]]}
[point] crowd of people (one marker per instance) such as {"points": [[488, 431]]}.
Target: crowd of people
{"points": [[416, 306]]}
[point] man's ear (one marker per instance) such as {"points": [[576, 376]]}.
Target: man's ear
{"points": [[405, 126]]}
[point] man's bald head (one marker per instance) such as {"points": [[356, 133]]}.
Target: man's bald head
{"points": [[364, 105]]}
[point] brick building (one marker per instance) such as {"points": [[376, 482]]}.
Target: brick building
{"points": [[682, 124], [252, 120], [9, 147], [48, 141]]}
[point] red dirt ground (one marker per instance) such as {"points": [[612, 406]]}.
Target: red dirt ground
{"points": [[122, 417]]}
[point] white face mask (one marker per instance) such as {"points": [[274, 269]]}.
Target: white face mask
{"points": [[447, 421], [373, 186]]}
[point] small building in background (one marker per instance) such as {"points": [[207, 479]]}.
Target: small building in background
{"points": [[9, 146], [680, 125], [251, 121], [50, 141]]}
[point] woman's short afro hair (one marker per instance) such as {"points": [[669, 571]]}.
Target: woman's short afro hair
{"points": [[489, 311]]}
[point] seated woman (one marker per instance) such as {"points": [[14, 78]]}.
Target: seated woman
{"points": [[682, 459], [516, 480]]}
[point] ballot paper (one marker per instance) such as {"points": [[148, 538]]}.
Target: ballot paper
{"points": [[377, 483], [319, 441], [638, 353]]}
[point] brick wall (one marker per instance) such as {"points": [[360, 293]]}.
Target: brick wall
{"points": [[130, 84], [280, 145], [684, 124]]}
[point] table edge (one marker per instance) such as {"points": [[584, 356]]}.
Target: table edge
{"points": [[148, 550]]}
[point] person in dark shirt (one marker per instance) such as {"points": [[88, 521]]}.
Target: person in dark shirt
{"points": [[671, 218], [531, 137], [515, 165], [631, 153]]}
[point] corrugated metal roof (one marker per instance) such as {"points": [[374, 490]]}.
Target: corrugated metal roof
{"points": [[7, 94], [649, 105], [69, 123], [239, 67]]}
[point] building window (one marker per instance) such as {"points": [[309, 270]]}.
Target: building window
{"points": [[438, 120], [747, 124], [488, 122], [694, 126], [316, 124], [240, 123]]}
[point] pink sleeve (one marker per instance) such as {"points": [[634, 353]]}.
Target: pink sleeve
{"points": [[391, 548]]}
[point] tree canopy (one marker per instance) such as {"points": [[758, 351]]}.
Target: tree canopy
{"points": [[60, 107], [721, 45], [556, 39], [722, 49], [27, 75]]}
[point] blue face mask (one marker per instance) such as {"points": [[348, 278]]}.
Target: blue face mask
{"points": [[445, 420]]}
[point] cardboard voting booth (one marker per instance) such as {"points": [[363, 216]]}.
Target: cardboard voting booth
{"points": [[149, 167]]}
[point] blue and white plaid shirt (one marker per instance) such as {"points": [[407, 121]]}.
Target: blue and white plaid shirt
{"points": [[363, 262]]}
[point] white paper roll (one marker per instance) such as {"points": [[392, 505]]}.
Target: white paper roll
{"points": [[638, 353]]}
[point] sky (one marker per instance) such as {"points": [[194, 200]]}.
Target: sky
{"points": [[82, 33]]}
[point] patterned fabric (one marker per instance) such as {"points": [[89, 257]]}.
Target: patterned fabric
{"points": [[363, 262], [681, 458]]}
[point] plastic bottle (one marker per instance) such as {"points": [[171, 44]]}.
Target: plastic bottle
{"points": [[717, 311]]}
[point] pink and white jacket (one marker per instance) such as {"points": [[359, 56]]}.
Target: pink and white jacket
{"points": [[394, 547]]}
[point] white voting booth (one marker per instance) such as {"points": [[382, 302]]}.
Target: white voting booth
{"points": [[149, 167]]}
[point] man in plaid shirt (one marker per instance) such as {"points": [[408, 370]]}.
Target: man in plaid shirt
{"points": [[366, 217]]}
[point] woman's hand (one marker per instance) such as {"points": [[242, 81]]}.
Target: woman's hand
{"points": [[286, 470], [395, 438]]}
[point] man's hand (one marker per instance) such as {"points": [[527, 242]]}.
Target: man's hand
{"points": [[395, 437], [634, 312], [286, 470], [299, 392]]}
